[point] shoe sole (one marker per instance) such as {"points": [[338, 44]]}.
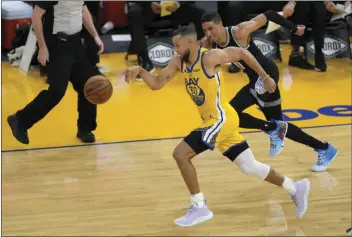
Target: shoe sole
{"points": [[283, 143], [197, 221], [337, 152], [85, 141], [306, 194]]}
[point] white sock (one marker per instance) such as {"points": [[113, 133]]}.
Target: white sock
{"points": [[198, 199], [288, 185]]}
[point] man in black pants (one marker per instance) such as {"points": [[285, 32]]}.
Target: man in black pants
{"points": [[140, 14], [217, 36], [60, 48], [92, 48], [319, 13]]}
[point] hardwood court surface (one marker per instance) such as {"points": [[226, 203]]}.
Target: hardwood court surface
{"points": [[136, 189]]}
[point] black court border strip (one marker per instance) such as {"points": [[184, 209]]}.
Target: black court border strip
{"points": [[147, 140]]}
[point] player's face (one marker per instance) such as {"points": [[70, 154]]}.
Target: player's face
{"points": [[212, 30], [182, 45]]}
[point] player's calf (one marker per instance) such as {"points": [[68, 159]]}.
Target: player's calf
{"points": [[243, 157], [198, 211]]}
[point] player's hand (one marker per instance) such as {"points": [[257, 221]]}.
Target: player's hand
{"points": [[174, 7], [156, 7], [330, 6], [43, 56], [100, 44], [288, 10], [300, 30], [270, 85], [131, 73]]}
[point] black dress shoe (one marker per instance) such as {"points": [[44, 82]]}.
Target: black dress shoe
{"points": [[18, 132], [86, 137], [296, 60]]}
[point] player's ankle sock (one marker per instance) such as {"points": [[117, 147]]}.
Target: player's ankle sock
{"points": [[288, 185], [296, 134], [248, 121], [198, 199]]}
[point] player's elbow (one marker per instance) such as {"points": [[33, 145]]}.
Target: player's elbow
{"points": [[156, 86]]}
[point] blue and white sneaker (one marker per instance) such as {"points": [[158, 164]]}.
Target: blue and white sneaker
{"points": [[277, 137], [324, 158]]}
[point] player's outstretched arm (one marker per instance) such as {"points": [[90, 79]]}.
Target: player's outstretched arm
{"points": [[154, 82], [234, 54], [247, 27]]}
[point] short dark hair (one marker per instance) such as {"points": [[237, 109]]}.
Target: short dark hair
{"points": [[211, 16], [185, 31]]}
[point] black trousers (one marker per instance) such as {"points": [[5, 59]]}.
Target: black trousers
{"points": [[238, 10], [245, 99], [139, 17], [223, 12], [316, 13], [67, 63], [91, 47]]}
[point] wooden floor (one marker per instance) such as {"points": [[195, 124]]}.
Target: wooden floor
{"points": [[56, 186], [136, 189]]}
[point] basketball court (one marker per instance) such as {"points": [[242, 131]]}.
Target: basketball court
{"points": [[127, 183]]}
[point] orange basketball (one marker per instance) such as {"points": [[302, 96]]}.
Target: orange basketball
{"points": [[98, 89]]}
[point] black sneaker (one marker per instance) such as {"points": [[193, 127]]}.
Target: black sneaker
{"points": [[233, 68], [320, 65], [86, 137], [19, 133], [297, 60]]}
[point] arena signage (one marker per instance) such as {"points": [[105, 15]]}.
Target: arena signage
{"points": [[268, 44], [304, 114], [265, 46], [332, 46], [160, 53]]}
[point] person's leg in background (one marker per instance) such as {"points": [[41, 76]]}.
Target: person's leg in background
{"points": [[59, 68], [222, 10], [91, 47], [139, 15], [87, 112], [189, 12], [319, 16], [300, 17]]}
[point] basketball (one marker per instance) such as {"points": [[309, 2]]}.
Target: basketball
{"points": [[98, 89]]}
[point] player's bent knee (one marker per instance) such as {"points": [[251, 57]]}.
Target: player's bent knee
{"points": [[243, 157], [182, 152]]}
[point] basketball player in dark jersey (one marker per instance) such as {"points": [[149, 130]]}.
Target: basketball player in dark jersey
{"points": [[255, 92]]}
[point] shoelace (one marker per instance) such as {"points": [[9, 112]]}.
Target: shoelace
{"points": [[273, 135], [192, 208], [321, 158], [293, 197]]}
